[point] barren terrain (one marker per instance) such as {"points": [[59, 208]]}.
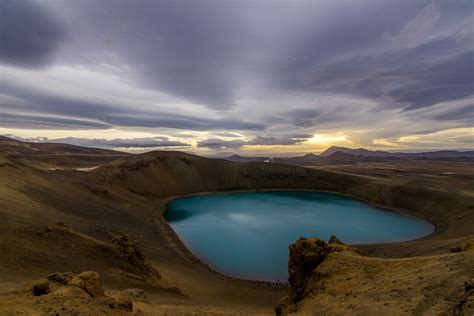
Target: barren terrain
{"points": [[109, 220]]}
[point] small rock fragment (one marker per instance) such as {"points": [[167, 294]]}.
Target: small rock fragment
{"points": [[41, 287], [334, 240], [90, 282], [124, 301], [61, 277], [460, 248], [135, 293]]}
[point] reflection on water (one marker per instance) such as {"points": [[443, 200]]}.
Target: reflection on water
{"points": [[247, 234]]}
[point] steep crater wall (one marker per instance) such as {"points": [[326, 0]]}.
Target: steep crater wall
{"points": [[172, 174]]}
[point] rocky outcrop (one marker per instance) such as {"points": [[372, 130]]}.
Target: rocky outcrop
{"points": [[83, 294], [306, 254], [133, 259], [332, 278]]}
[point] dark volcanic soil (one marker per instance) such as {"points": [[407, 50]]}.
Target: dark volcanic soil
{"points": [[128, 196]]}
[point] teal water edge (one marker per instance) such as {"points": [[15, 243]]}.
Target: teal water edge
{"points": [[247, 234]]}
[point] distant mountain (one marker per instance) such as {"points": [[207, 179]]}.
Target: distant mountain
{"points": [[332, 156], [237, 158], [339, 158], [335, 158], [223, 155], [357, 152], [441, 154], [15, 147], [306, 160], [342, 155]]}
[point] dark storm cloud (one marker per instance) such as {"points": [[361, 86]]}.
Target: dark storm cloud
{"points": [[202, 51], [133, 118], [142, 142], [145, 142], [415, 56], [44, 103], [462, 113], [410, 85], [278, 140], [216, 143], [107, 114], [186, 48], [449, 80], [350, 27], [47, 122], [29, 34], [370, 56], [302, 117]]}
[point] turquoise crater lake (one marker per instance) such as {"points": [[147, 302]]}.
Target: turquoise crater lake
{"points": [[247, 234]]}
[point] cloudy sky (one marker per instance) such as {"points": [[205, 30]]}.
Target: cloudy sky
{"points": [[249, 77]]}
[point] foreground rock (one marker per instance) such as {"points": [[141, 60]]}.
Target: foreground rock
{"points": [[306, 254], [331, 278], [41, 288], [67, 293], [61, 277], [90, 282], [71, 292]]}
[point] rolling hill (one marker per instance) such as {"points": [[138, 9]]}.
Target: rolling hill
{"points": [[441, 154], [12, 146]]}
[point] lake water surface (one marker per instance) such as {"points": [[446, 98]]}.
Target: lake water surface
{"points": [[247, 234]]}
